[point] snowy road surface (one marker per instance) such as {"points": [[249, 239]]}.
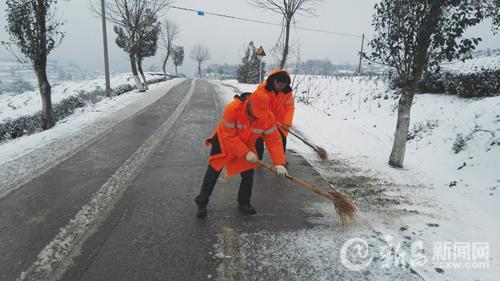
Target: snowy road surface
{"points": [[122, 209]]}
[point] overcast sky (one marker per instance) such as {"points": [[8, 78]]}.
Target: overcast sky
{"points": [[226, 38]]}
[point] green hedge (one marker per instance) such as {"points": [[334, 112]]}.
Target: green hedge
{"points": [[29, 124], [485, 83]]}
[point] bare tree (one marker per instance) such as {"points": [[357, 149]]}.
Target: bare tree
{"points": [[169, 32], [288, 9], [35, 32], [200, 54], [128, 16]]}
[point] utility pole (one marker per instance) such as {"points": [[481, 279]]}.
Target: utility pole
{"points": [[361, 52], [260, 70], [105, 43]]}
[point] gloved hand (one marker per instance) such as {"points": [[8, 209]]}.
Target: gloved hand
{"points": [[281, 170], [251, 157]]}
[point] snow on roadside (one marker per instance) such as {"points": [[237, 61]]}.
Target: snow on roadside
{"points": [[435, 198], [16, 105], [22, 158]]}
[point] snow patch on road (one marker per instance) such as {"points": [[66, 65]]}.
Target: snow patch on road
{"points": [[307, 254]]}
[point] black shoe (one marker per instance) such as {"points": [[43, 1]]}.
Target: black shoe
{"points": [[202, 211], [247, 208]]}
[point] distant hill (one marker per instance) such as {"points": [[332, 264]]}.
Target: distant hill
{"points": [[16, 77]]}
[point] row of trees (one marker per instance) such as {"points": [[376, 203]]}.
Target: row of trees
{"points": [[35, 32], [138, 30], [410, 36], [322, 67]]}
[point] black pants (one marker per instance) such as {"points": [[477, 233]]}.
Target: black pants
{"points": [[259, 145], [211, 176], [210, 179]]}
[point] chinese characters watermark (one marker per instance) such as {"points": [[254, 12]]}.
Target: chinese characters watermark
{"points": [[357, 255]]}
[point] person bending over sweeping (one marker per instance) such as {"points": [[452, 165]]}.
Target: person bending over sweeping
{"points": [[244, 120], [281, 103]]}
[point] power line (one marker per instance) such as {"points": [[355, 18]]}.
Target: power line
{"points": [[264, 22]]}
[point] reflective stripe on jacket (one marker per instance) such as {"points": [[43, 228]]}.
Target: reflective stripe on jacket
{"points": [[237, 135]]}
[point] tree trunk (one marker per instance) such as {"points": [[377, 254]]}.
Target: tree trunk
{"points": [[164, 66], [133, 65], [139, 67], [40, 67], [396, 158], [199, 69], [176, 74], [47, 120], [286, 47], [402, 126]]}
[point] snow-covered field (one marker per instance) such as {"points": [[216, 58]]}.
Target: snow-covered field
{"points": [[15, 105], [439, 196], [23, 158]]}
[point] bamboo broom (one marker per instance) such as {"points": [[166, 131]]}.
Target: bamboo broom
{"points": [[346, 210]]}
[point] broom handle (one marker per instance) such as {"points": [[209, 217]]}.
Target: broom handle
{"points": [[299, 137], [298, 181]]}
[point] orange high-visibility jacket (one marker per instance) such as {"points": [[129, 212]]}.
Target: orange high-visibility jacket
{"points": [[281, 103], [237, 136]]}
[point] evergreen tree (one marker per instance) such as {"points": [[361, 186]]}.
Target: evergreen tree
{"points": [[243, 68], [148, 41], [131, 20], [248, 70]]}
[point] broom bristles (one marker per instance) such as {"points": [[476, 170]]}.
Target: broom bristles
{"points": [[344, 206], [346, 210], [323, 155]]}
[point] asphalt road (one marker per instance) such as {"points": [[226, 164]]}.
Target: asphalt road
{"points": [[148, 229]]}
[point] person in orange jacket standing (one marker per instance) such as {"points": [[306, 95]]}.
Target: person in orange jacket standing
{"points": [[244, 120], [281, 103]]}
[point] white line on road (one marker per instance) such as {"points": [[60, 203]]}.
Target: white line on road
{"points": [[53, 261]]}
